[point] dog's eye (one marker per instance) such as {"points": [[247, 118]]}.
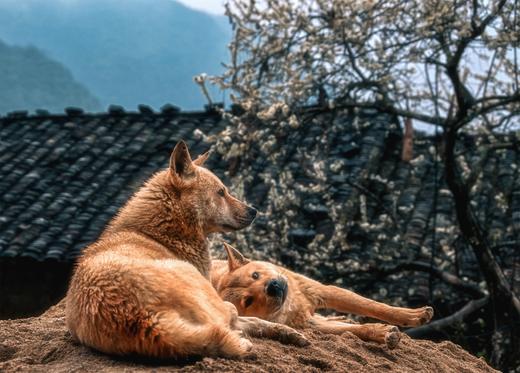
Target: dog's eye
{"points": [[221, 192], [255, 275], [248, 302]]}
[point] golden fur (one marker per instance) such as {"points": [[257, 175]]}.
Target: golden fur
{"points": [[143, 287], [276, 294]]}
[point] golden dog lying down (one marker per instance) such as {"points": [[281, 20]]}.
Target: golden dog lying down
{"points": [[278, 295]]}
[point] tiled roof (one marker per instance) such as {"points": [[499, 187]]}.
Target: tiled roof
{"points": [[352, 203], [62, 177]]}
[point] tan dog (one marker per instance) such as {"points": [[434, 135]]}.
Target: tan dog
{"points": [[276, 294], [143, 287]]}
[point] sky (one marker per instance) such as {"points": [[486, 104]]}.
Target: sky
{"points": [[210, 6]]}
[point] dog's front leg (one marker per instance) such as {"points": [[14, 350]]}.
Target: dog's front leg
{"points": [[380, 333], [255, 327], [346, 301]]}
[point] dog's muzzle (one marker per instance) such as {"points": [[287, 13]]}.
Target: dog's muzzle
{"points": [[246, 219], [251, 214], [277, 288]]}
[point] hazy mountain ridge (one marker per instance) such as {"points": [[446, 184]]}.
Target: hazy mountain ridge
{"points": [[30, 80], [124, 51]]}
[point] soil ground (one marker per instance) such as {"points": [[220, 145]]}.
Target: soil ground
{"points": [[43, 344]]}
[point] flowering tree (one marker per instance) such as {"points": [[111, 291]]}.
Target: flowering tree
{"points": [[451, 65]]}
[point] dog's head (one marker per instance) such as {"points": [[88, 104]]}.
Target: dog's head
{"points": [[202, 192], [255, 288]]}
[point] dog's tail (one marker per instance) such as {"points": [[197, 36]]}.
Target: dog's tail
{"points": [[168, 335]]}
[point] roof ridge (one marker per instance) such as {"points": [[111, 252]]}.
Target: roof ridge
{"points": [[16, 116]]}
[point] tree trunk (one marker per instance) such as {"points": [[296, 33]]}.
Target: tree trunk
{"points": [[503, 300]]}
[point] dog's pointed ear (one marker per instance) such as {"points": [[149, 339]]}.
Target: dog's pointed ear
{"points": [[181, 165], [235, 257], [201, 159]]}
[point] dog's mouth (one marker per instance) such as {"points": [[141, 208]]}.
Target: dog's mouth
{"points": [[228, 227], [246, 219], [239, 223]]}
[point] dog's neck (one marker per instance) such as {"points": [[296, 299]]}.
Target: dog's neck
{"points": [[155, 213]]}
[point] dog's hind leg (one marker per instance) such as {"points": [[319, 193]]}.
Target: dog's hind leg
{"points": [[380, 333], [170, 336], [259, 328], [346, 301]]}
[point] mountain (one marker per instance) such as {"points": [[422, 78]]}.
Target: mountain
{"points": [[30, 80], [126, 52]]}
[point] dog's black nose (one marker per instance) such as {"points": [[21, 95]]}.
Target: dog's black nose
{"points": [[276, 288], [251, 213]]}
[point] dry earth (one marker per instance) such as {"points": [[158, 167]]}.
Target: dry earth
{"points": [[42, 344]]}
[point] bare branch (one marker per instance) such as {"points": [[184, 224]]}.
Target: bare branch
{"points": [[437, 121], [446, 322], [465, 286]]}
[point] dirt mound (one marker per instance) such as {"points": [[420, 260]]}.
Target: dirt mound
{"points": [[43, 344]]}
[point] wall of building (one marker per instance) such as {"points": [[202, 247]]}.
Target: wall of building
{"points": [[28, 287]]}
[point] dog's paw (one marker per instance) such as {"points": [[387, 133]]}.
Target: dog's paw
{"points": [[414, 317], [298, 339], [388, 335], [392, 337], [427, 314], [246, 345], [235, 347], [245, 350], [421, 316], [295, 338]]}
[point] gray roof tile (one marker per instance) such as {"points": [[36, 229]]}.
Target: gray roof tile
{"points": [[62, 177]]}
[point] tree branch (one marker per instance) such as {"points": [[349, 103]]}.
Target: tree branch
{"points": [[465, 99], [437, 121], [465, 286], [499, 103], [500, 291], [456, 318]]}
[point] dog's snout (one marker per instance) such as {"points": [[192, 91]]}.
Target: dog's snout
{"points": [[251, 213], [244, 217], [276, 288]]}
